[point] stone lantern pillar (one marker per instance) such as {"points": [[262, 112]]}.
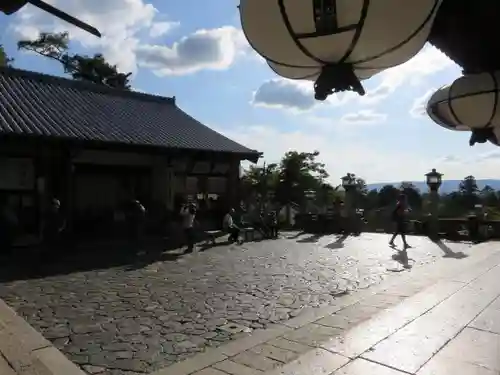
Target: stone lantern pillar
{"points": [[349, 185], [434, 180]]}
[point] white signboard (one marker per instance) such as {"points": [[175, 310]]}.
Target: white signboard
{"points": [[17, 174]]}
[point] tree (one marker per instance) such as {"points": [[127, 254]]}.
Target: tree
{"points": [[489, 196], [468, 186], [257, 180], [4, 59], [298, 172], [360, 192], [387, 195], [85, 68], [468, 190]]}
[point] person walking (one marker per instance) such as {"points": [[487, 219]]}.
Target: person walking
{"points": [[399, 215], [188, 214], [230, 226]]}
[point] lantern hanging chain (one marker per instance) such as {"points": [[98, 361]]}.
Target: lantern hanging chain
{"points": [[337, 78]]}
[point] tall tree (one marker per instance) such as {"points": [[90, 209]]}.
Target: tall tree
{"points": [[298, 172], [388, 195], [4, 58], [81, 67], [468, 186], [259, 180], [489, 196], [360, 192], [469, 191]]}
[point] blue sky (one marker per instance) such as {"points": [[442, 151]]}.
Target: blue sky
{"points": [[196, 51]]}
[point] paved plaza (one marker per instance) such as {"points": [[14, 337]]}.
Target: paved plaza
{"points": [[141, 316]]}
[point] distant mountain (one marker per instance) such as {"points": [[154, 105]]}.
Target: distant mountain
{"points": [[448, 186]]}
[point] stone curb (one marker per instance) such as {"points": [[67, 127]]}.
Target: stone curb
{"points": [[405, 286], [26, 351]]}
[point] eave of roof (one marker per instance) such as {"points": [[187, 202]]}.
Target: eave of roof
{"points": [[466, 31], [39, 105]]}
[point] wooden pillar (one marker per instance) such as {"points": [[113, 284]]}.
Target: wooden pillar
{"points": [[233, 183], [162, 182], [68, 189]]}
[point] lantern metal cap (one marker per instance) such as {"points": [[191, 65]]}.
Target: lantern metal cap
{"points": [[433, 179], [349, 180]]}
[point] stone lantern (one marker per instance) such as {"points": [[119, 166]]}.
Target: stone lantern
{"points": [[349, 185], [434, 180]]}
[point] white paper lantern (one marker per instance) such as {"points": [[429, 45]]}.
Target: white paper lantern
{"points": [[301, 39], [495, 139], [471, 102]]}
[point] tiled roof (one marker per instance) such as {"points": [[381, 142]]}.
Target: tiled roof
{"points": [[35, 104]]}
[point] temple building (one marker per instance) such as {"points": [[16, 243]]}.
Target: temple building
{"points": [[94, 147]]}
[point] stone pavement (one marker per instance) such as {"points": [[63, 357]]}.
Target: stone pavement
{"points": [[140, 317], [449, 327]]}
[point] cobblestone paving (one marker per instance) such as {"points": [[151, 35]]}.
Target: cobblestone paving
{"points": [[129, 320]]}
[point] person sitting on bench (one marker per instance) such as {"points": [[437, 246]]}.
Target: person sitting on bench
{"points": [[230, 227]]}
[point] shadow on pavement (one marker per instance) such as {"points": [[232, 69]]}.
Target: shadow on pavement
{"points": [[297, 235], [33, 264], [339, 243], [448, 253], [311, 239], [402, 258]]}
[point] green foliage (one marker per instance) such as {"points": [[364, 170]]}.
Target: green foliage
{"points": [[85, 68], [298, 172]]}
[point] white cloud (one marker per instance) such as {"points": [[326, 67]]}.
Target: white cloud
{"points": [[354, 156], [419, 106], [121, 22], [288, 94], [128, 28], [285, 94], [367, 158], [429, 61], [364, 117], [161, 28], [214, 49], [481, 163]]}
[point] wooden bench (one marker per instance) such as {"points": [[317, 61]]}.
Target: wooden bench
{"points": [[212, 235]]}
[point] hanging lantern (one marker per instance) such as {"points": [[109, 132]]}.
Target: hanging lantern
{"points": [[336, 43], [471, 103], [495, 136]]}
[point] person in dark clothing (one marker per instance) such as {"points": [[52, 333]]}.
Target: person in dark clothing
{"points": [[273, 224], [399, 218], [54, 225], [188, 215]]}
